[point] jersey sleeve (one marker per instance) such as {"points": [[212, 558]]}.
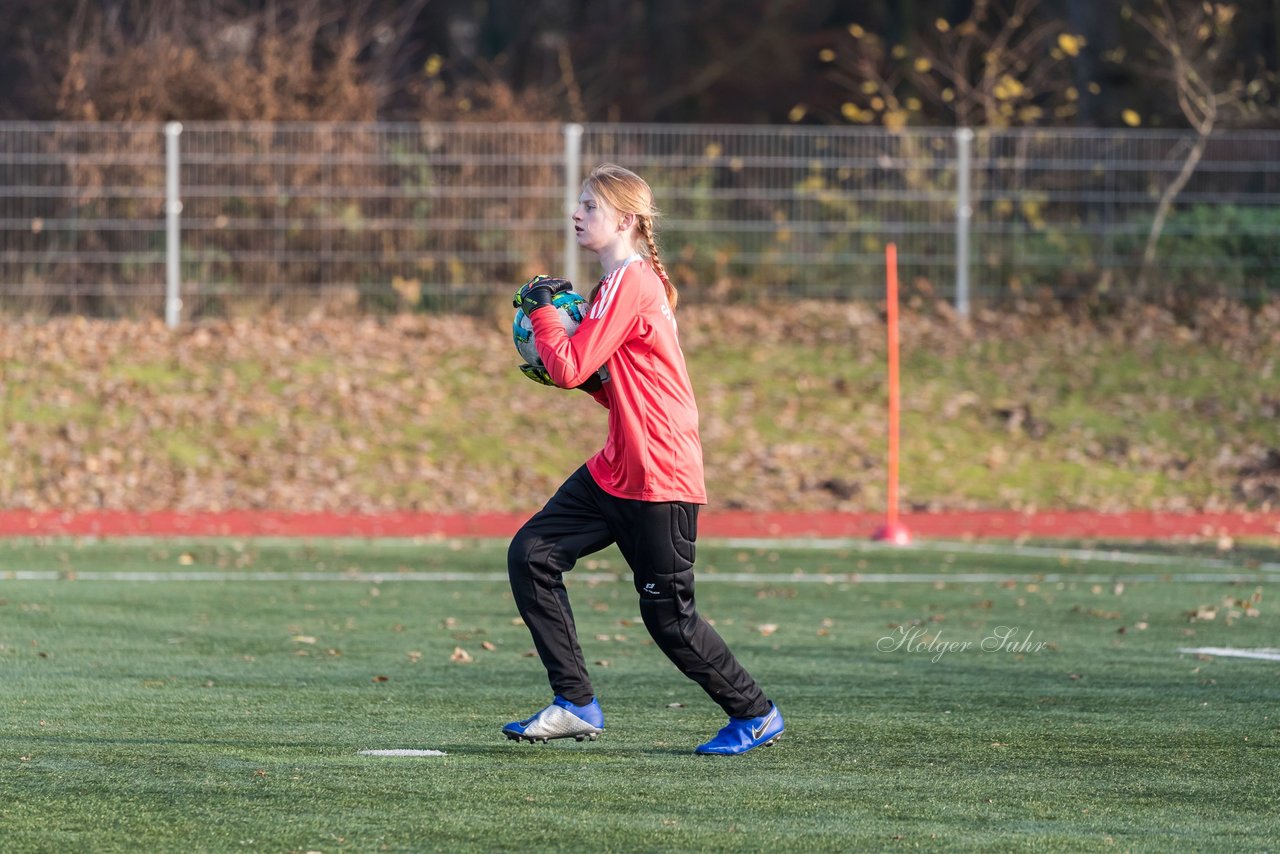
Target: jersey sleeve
{"points": [[610, 321]]}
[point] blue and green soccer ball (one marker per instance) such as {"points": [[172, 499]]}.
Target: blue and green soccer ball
{"points": [[572, 308]]}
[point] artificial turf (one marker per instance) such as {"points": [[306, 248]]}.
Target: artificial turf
{"points": [[222, 703]]}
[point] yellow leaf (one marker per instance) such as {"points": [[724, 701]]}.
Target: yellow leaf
{"points": [[797, 113], [1009, 87], [826, 54], [1131, 118], [899, 51], [922, 64], [852, 112], [1070, 44], [856, 31], [941, 25], [410, 290]]}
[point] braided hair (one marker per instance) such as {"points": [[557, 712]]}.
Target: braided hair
{"points": [[628, 193]]}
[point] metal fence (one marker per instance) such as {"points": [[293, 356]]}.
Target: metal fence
{"points": [[210, 218]]}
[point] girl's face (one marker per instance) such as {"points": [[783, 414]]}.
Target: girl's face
{"points": [[598, 226]]}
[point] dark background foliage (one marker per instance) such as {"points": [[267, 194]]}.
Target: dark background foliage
{"points": [[1071, 62]]}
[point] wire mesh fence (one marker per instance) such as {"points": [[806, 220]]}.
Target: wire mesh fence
{"points": [[390, 217]]}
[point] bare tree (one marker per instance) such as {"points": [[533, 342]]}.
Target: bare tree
{"points": [[1192, 52]]}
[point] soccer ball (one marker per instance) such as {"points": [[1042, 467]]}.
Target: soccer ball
{"points": [[572, 308]]}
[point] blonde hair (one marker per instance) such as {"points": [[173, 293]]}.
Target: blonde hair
{"points": [[628, 193]]}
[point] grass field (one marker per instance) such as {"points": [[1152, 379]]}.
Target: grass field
{"points": [[215, 695]]}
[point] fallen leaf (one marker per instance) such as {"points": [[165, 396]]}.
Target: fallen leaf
{"points": [[460, 656]]}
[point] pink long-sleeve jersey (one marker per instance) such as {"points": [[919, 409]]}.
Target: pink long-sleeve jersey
{"points": [[653, 452]]}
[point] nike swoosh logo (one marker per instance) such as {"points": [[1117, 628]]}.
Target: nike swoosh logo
{"points": [[756, 732]]}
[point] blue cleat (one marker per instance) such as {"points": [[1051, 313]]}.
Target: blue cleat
{"points": [[561, 719], [743, 734]]}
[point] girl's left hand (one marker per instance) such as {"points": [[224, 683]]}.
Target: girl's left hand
{"points": [[538, 374]]}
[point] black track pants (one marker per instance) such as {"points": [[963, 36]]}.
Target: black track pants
{"points": [[657, 541]]}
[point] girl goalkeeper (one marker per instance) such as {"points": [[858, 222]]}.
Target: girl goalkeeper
{"points": [[642, 491]]}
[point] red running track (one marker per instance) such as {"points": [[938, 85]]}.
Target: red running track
{"points": [[953, 525]]}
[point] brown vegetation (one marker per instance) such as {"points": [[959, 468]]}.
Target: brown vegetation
{"points": [[1135, 411]]}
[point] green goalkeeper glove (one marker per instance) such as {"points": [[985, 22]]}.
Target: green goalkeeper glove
{"points": [[539, 291], [537, 373]]}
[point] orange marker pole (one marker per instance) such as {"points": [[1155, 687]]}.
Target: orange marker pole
{"points": [[893, 530]]}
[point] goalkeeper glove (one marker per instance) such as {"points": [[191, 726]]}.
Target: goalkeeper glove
{"points": [[541, 375], [538, 374], [539, 291], [593, 384]]}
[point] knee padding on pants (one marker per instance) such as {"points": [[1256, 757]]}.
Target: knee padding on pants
{"points": [[667, 609]]}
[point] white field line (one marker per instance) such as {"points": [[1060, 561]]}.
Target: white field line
{"points": [[1265, 654], [997, 549], [609, 577], [1260, 572], [402, 751]]}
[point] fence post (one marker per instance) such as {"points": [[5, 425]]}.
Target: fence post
{"points": [[572, 176], [172, 211], [964, 213]]}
